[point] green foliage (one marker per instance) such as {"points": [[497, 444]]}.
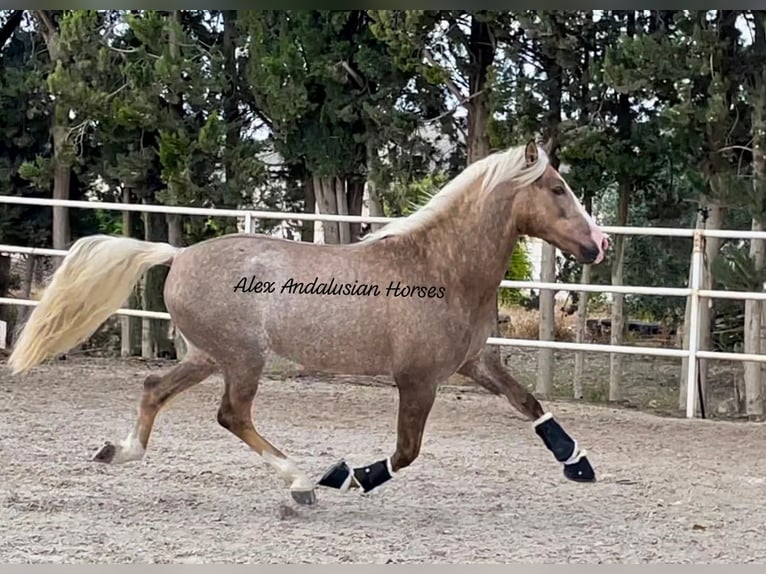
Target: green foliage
{"points": [[519, 269], [734, 270], [407, 196], [108, 222], [38, 172], [328, 87], [24, 145]]}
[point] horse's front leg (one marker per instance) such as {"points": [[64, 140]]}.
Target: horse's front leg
{"points": [[487, 371], [416, 398]]}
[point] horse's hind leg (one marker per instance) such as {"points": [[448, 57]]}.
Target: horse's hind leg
{"points": [[158, 391], [235, 415], [487, 371]]}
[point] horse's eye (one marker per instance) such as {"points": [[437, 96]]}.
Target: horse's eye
{"points": [[558, 190]]}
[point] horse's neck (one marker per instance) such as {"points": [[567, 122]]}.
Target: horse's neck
{"points": [[472, 239]]}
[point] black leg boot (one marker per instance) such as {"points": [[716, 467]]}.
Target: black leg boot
{"points": [[367, 478], [565, 449]]}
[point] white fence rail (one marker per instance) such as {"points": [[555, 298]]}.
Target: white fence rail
{"points": [[692, 352]]}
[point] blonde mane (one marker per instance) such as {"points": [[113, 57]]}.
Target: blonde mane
{"points": [[507, 166]]}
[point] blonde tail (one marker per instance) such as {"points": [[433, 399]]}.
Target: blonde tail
{"points": [[94, 280]]}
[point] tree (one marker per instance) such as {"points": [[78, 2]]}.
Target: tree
{"points": [[734, 268], [328, 91], [706, 120], [541, 39], [62, 129], [624, 115], [24, 137], [754, 389]]}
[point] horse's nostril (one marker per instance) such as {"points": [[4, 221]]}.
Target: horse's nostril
{"points": [[590, 254]]}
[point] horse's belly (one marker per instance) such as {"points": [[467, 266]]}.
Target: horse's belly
{"points": [[344, 337], [361, 335], [332, 361]]}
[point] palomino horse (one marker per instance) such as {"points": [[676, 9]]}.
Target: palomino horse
{"points": [[415, 300]]}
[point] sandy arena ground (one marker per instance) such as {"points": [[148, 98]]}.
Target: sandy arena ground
{"points": [[485, 489]]}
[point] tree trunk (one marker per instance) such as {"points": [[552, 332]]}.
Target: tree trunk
{"points": [[341, 200], [478, 147], [130, 327], [230, 103], [618, 299], [707, 307], [62, 173], [309, 206], [374, 200], [231, 114], [5, 277], [725, 56], [582, 324], [547, 330], [62, 164], [327, 203], [176, 238], [27, 282], [126, 322], [375, 204], [583, 102], [624, 180], [481, 51], [754, 389], [482, 54], [753, 380], [154, 340], [175, 229], [147, 348], [355, 197]]}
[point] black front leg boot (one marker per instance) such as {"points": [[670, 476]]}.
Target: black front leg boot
{"points": [[371, 477], [580, 470], [565, 449]]}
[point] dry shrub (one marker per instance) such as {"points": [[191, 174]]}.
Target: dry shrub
{"points": [[525, 324]]}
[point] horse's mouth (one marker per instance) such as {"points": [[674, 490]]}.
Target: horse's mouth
{"points": [[594, 252]]}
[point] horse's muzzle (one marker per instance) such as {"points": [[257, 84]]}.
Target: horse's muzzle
{"points": [[596, 250]]}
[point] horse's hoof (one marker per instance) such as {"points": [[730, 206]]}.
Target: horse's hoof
{"points": [[304, 497], [337, 476], [106, 454], [580, 471]]}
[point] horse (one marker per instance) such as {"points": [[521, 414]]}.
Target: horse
{"points": [[414, 301]]}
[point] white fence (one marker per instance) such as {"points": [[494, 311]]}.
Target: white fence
{"points": [[692, 352]]}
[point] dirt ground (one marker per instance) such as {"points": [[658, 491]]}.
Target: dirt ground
{"points": [[485, 489]]}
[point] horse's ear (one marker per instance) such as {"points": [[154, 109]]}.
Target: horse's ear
{"points": [[548, 146], [530, 153]]}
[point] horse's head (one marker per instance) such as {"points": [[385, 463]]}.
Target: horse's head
{"points": [[547, 208]]}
